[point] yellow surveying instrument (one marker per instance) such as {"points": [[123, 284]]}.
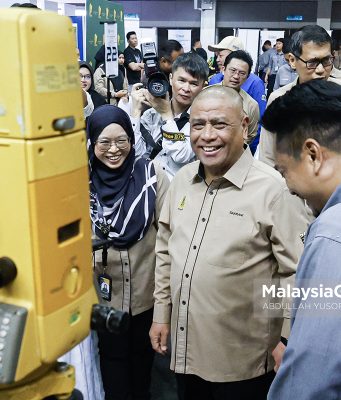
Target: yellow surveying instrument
{"points": [[46, 284]]}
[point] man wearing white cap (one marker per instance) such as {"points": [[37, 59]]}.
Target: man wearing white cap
{"points": [[253, 86]]}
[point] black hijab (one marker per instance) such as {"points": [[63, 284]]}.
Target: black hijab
{"points": [[122, 200], [97, 98]]}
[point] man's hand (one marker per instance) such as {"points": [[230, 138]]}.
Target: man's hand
{"points": [[161, 105], [121, 93], [158, 337], [277, 354], [138, 95]]}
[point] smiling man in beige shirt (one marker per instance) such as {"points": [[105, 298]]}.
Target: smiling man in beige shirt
{"points": [[228, 226]]}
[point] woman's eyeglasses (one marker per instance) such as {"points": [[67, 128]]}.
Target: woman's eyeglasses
{"points": [[86, 77], [105, 145]]}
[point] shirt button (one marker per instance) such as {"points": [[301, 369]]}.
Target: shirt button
{"points": [[203, 219], [182, 328], [163, 168], [187, 276], [210, 192], [127, 280], [125, 263], [194, 247], [183, 302]]}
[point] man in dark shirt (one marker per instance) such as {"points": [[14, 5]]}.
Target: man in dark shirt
{"points": [[133, 60]]}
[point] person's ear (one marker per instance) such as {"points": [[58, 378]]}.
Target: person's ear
{"points": [[245, 126], [314, 154], [292, 61]]}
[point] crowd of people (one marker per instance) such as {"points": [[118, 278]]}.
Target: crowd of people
{"points": [[200, 219]]}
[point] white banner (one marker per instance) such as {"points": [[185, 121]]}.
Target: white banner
{"points": [[183, 36], [110, 40]]}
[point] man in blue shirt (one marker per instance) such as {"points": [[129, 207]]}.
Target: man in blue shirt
{"points": [[253, 86], [307, 121]]}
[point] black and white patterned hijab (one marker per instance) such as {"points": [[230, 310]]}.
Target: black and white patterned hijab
{"points": [[122, 200]]}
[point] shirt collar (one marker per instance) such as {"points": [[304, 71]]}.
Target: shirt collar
{"points": [[183, 114], [334, 199], [237, 174]]}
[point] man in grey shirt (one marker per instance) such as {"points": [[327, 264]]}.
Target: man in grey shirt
{"points": [[264, 59], [286, 74], [307, 121], [276, 61]]}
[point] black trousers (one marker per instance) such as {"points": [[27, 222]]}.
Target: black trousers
{"points": [[126, 360], [271, 84], [191, 387]]}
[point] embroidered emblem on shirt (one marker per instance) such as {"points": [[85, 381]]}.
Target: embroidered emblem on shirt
{"points": [[263, 97], [236, 213], [181, 205], [175, 137], [302, 236]]}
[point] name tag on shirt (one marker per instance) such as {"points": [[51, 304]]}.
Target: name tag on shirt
{"points": [[105, 286], [175, 137]]}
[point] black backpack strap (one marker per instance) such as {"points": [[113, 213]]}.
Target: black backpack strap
{"points": [[157, 147]]}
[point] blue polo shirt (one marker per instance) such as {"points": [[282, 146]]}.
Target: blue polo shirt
{"points": [[254, 86]]}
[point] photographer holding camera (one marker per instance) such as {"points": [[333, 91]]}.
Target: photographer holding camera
{"points": [[162, 132]]}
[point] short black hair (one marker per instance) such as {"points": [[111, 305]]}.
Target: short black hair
{"points": [[168, 47], [193, 64], [286, 45], [311, 110], [280, 40], [25, 5], [309, 33], [195, 41], [267, 43], [130, 34], [239, 55]]}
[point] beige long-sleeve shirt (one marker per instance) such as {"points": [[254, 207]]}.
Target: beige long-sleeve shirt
{"points": [[132, 270], [267, 140], [101, 82], [251, 109], [215, 245]]}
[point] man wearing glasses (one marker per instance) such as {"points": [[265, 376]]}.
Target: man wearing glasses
{"points": [[311, 56], [237, 68]]}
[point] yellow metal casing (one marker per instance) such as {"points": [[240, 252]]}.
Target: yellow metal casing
{"points": [[44, 206], [40, 74]]}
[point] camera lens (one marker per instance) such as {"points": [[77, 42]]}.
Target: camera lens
{"points": [[158, 85]]}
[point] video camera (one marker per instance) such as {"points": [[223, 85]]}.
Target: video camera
{"points": [[157, 82]]}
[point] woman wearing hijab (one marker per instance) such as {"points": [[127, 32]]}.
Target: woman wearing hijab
{"points": [[126, 195], [87, 82], [118, 85]]}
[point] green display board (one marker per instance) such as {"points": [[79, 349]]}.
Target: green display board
{"points": [[100, 11]]}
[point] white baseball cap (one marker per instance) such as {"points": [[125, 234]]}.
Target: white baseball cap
{"points": [[231, 43]]}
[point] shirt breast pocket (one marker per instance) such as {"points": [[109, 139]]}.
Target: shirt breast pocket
{"points": [[229, 237]]}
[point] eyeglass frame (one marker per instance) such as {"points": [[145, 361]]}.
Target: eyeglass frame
{"points": [[111, 143], [230, 69], [331, 58], [86, 77]]}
